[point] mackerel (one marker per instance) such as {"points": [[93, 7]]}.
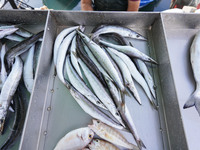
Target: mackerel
{"points": [[79, 84], [103, 59], [5, 32], [100, 92]]}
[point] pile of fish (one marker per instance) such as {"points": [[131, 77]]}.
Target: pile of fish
{"points": [[83, 137], [12, 69], [99, 73], [194, 99]]}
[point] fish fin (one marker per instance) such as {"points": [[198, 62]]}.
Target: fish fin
{"points": [[152, 61], [155, 106], [141, 143], [191, 101]]}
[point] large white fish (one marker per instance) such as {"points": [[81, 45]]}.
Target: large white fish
{"points": [[194, 99], [76, 139]]}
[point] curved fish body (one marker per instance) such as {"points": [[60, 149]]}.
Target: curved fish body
{"points": [[79, 84], [100, 92], [8, 89], [98, 144], [22, 47], [73, 55], [126, 76], [123, 31], [62, 55], [109, 134], [194, 99], [28, 70], [76, 139], [129, 50], [90, 108], [3, 68], [8, 31], [24, 33], [103, 59], [147, 76], [59, 40]]}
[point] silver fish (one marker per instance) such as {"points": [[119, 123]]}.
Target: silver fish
{"points": [[9, 88], [79, 84], [103, 59], [3, 73], [194, 99], [76, 139], [129, 50], [62, 54], [28, 70], [5, 32], [14, 37], [123, 31], [90, 108], [126, 76], [100, 92]]}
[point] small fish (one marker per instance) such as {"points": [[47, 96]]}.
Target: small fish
{"points": [[5, 32], [194, 99], [98, 144], [123, 31], [3, 69], [103, 59], [76, 139], [109, 134], [129, 50], [14, 37], [24, 33]]}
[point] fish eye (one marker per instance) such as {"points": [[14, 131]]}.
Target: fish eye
{"points": [[117, 113], [98, 121], [98, 102], [90, 136], [97, 140], [137, 35]]}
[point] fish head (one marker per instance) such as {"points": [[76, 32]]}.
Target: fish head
{"points": [[96, 125], [94, 144], [87, 135]]}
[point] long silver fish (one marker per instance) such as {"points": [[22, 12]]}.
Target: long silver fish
{"points": [[28, 70], [98, 144], [90, 108], [194, 99], [14, 37], [59, 40], [129, 50], [80, 85], [109, 134], [76, 139], [62, 54], [123, 31], [134, 73], [103, 59], [126, 76], [100, 91], [8, 90], [73, 55], [3, 68], [5, 32]]}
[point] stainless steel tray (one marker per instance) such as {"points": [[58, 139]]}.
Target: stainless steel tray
{"points": [[34, 22], [180, 30], [53, 112]]}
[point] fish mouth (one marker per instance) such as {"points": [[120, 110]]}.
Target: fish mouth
{"points": [[2, 122]]}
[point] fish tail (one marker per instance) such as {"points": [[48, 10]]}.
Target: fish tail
{"points": [[153, 103], [2, 122], [140, 142], [194, 100], [152, 61], [135, 93]]}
